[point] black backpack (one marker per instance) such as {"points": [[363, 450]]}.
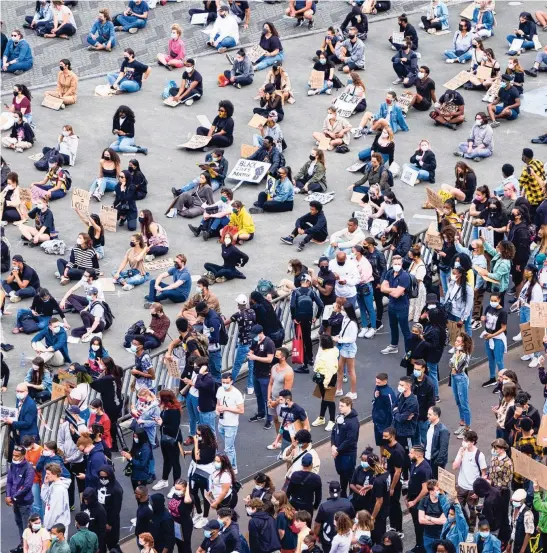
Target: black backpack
{"points": [[108, 316], [303, 304], [137, 328], [389, 175], [68, 179], [223, 339], [413, 291]]}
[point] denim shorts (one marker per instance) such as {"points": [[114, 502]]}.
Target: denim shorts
{"points": [[349, 351]]}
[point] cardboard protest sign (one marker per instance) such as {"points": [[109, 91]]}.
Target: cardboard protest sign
{"points": [[403, 100], [356, 166], [255, 53], [324, 142], [107, 284], [171, 102], [447, 482], [484, 72], [466, 547], [532, 338], [433, 238], [356, 197], [398, 38], [453, 331], [487, 234], [80, 200], [493, 91], [433, 198], [541, 438], [52, 103], [247, 150], [104, 90], [196, 142], [409, 175], [109, 217], [25, 195], [172, 367], [345, 104], [537, 43], [367, 6], [249, 171], [199, 18], [468, 12], [256, 121], [378, 226], [317, 79], [538, 314], [158, 264], [459, 80], [57, 391], [527, 467], [66, 377]]}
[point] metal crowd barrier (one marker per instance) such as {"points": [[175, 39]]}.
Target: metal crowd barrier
{"points": [[50, 412]]}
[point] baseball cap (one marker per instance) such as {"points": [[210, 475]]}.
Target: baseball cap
{"points": [[242, 299], [93, 291], [305, 277], [307, 460], [213, 524], [334, 487], [256, 330], [431, 298], [74, 410], [18, 258]]}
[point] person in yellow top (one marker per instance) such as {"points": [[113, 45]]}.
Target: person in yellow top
{"points": [[242, 220], [67, 85]]}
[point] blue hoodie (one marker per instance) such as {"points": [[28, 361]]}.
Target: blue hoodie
{"points": [[490, 545], [382, 407], [95, 460], [43, 461], [345, 434], [57, 341], [405, 407], [19, 483]]}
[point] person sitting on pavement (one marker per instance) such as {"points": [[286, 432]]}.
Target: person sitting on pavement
{"points": [[278, 199], [14, 209], [425, 162], [425, 90], [225, 31], [82, 257], [123, 127], [55, 184], [216, 216], [461, 51], [302, 10], [203, 293], [408, 30], [449, 110], [335, 128], [508, 102], [221, 131], [67, 145], [232, 257], [21, 136], [155, 333], [102, 35], [483, 19], [242, 220], [384, 144], [154, 235], [374, 173], [312, 177], [23, 281], [67, 85], [41, 18], [43, 306], [178, 291], [17, 56], [189, 204], [270, 101], [131, 74], [191, 86], [526, 30], [176, 50], [390, 114], [134, 17], [268, 153], [540, 64], [282, 84], [51, 344], [242, 71], [217, 167], [480, 143], [405, 65], [345, 239], [357, 19], [136, 274], [312, 226], [269, 41], [270, 128], [327, 68], [44, 225], [436, 18], [93, 318]]}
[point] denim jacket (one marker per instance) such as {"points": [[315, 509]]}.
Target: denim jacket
{"points": [[487, 18], [396, 120], [490, 545], [20, 51], [458, 532], [502, 268], [104, 30], [148, 421]]}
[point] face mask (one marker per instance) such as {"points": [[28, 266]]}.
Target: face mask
{"points": [[249, 511], [36, 527], [494, 453], [324, 270], [479, 121], [141, 220], [494, 304], [89, 298], [51, 165], [417, 373], [227, 241], [226, 386], [217, 465], [207, 533], [516, 504], [35, 368], [424, 147], [133, 348], [312, 157], [453, 278], [174, 36], [341, 264], [431, 306], [352, 36], [364, 465], [234, 211], [400, 389], [20, 395], [421, 75], [177, 493], [457, 265], [397, 268], [104, 481], [16, 40], [322, 62], [303, 547], [484, 534], [136, 440], [389, 101], [503, 85], [224, 199], [56, 330], [47, 453], [190, 70]]}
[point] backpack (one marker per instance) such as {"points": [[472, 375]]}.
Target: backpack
{"points": [[137, 328], [43, 163], [108, 316], [413, 291], [389, 175], [303, 304], [68, 178], [202, 342], [265, 287], [223, 339]]}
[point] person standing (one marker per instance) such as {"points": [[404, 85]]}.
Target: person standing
{"points": [[396, 458], [143, 518], [344, 438], [419, 475], [382, 408], [110, 495], [212, 329], [26, 423], [245, 318], [395, 284], [423, 389], [437, 440], [405, 413], [304, 489], [54, 494], [83, 541], [97, 516]]}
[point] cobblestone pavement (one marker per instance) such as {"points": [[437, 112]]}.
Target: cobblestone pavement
{"points": [[151, 40]]}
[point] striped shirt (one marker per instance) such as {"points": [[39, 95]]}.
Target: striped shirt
{"points": [[83, 259]]}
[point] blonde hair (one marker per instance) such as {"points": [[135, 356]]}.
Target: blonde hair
{"points": [[479, 247], [177, 28], [343, 523], [390, 133], [364, 520], [106, 13], [517, 69], [283, 504]]}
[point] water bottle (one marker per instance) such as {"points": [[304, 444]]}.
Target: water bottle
{"points": [[22, 363]]}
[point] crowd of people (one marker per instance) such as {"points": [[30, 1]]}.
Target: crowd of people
{"points": [[457, 295]]}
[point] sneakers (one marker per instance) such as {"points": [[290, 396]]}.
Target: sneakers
{"points": [[310, 24], [370, 333], [172, 213], [160, 485], [357, 133], [256, 418], [362, 332], [489, 382], [149, 257], [390, 349], [328, 91], [379, 327], [299, 22], [133, 31], [542, 139], [526, 357], [273, 447], [460, 430], [534, 363], [457, 153], [301, 246], [319, 421], [451, 60], [287, 240], [533, 72], [189, 102], [329, 427], [475, 325], [220, 279], [268, 425], [352, 395], [201, 522], [345, 378], [195, 230], [250, 391], [518, 337], [303, 369], [495, 124], [127, 287], [339, 393], [398, 80], [312, 92], [255, 210]]}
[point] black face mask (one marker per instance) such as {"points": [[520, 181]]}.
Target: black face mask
{"points": [[141, 220], [341, 264], [324, 270], [312, 158], [512, 217], [132, 244], [15, 93], [463, 27]]}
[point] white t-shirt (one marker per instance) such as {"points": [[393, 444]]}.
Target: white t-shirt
{"points": [[81, 393], [216, 480], [392, 211], [419, 271], [62, 12], [429, 441], [95, 284], [193, 390], [231, 398], [469, 471]]}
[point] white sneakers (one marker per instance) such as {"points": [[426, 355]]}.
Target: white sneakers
{"points": [[518, 337], [366, 332], [534, 363], [250, 391], [319, 421], [329, 427], [160, 485], [172, 213], [526, 357], [199, 521], [339, 393], [390, 349], [351, 395], [362, 332]]}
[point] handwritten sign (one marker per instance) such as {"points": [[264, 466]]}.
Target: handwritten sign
{"points": [[409, 175], [172, 367], [493, 92], [537, 43], [398, 38], [317, 79], [459, 80], [109, 217], [107, 284], [80, 200], [447, 482], [256, 121], [104, 90], [249, 170], [247, 150], [158, 264], [67, 377], [199, 19], [345, 104], [484, 73], [171, 102], [25, 195], [527, 467], [541, 438], [433, 238], [486, 234], [255, 53], [356, 197], [538, 314], [433, 198], [57, 391], [356, 166], [466, 547], [468, 12], [52, 102], [378, 226], [324, 142], [404, 101], [368, 6], [196, 142]]}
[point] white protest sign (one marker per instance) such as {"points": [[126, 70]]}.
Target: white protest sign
{"points": [[196, 142], [378, 226], [345, 104], [398, 38], [249, 170], [409, 175], [199, 18]]}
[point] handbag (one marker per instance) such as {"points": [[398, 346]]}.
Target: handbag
{"points": [[298, 346], [318, 378], [363, 289], [128, 469], [167, 440]]}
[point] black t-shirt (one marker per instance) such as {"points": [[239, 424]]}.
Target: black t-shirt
{"points": [[31, 275], [380, 490], [508, 97], [225, 124], [230, 536], [452, 97], [418, 475], [106, 386], [395, 457], [362, 477], [133, 70], [494, 319], [425, 88], [245, 320], [480, 207], [325, 516], [214, 546], [194, 77], [288, 415], [432, 510], [206, 454], [327, 280], [270, 44], [263, 349], [324, 67]]}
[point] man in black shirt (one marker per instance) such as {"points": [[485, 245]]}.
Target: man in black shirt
{"points": [[304, 490], [292, 418], [245, 319], [508, 106], [37, 317], [420, 473], [23, 281], [423, 389], [262, 354], [131, 74], [324, 283], [396, 457], [213, 542], [191, 87], [425, 90], [408, 30]]}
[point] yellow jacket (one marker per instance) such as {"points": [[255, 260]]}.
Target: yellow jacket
{"points": [[326, 363], [243, 221]]}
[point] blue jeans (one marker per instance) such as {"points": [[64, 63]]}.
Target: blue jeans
{"points": [[103, 184], [451, 55], [364, 155], [215, 364], [100, 40], [226, 42], [209, 419], [512, 117], [527, 44], [324, 88], [129, 22], [37, 505], [28, 292], [215, 185], [330, 251], [124, 144], [460, 389], [193, 413], [261, 391], [428, 544], [398, 318], [125, 84], [19, 66], [41, 321], [176, 296], [99, 250], [421, 433], [268, 61], [366, 308], [132, 276], [240, 358], [433, 369], [445, 277], [495, 356], [229, 434], [422, 173], [475, 152]]}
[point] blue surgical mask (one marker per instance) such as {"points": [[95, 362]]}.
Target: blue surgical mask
{"points": [[365, 465], [218, 465], [133, 348], [256, 338], [226, 387], [494, 304], [503, 85], [484, 534], [417, 374], [516, 504], [207, 533], [457, 264], [451, 519], [89, 298], [322, 62], [220, 522]]}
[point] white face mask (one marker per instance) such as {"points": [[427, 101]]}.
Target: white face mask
{"points": [[400, 389], [95, 347], [424, 147], [431, 306], [227, 241], [36, 526], [66, 133], [421, 75], [174, 35], [465, 444], [397, 268], [453, 278]]}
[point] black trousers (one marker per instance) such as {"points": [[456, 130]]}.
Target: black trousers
{"points": [[74, 469], [403, 440], [218, 140], [379, 303], [429, 25], [273, 206], [418, 529], [171, 460], [200, 484], [305, 326], [380, 525], [395, 510]]}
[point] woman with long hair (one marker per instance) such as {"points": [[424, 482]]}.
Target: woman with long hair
{"points": [[124, 201], [284, 517], [500, 266], [131, 271], [347, 344], [123, 127], [170, 437], [341, 542], [180, 508], [109, 170], [22, 99], [418, 269], [446, 255], [464, 187], [398, 239], [96, 351], [221, 484], [54, 185], [458, 364], [269, 41], [202, 466], [140, 456], [540, 248], [36, 538], [139, 180], [146, 541], [458, 299], [390, 209], [383, 144], [95, 230], [496, 219], [39, 381], [14, 209], [154, 235], [326, 364], [21, 136], [82, 257], [312, 175], [189, 204]]}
